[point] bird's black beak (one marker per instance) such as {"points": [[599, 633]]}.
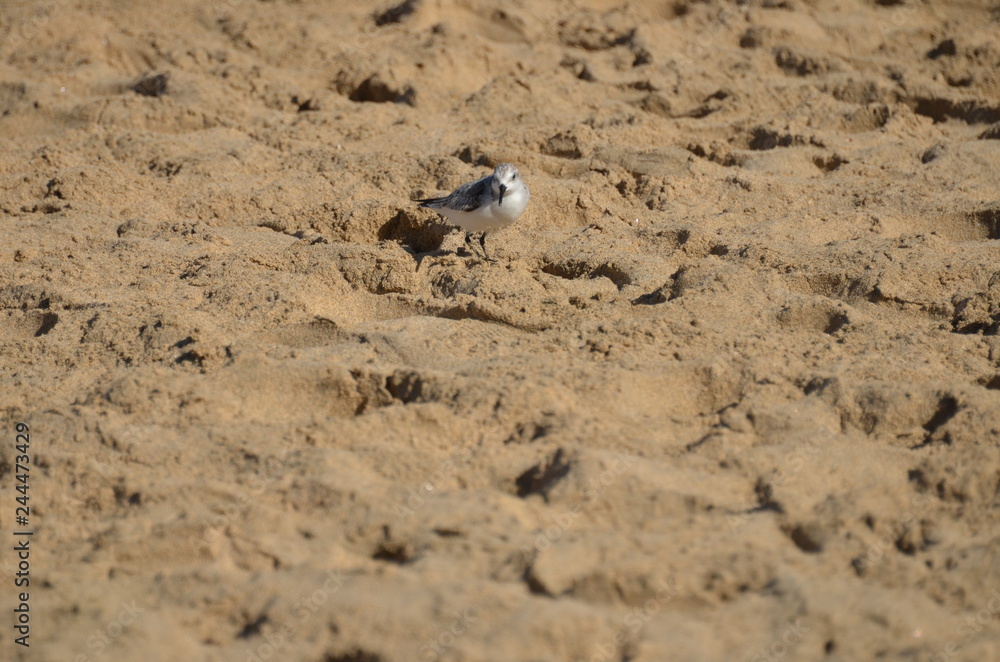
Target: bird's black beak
{"points": [[503, 189]]}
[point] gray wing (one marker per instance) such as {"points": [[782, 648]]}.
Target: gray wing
{"points": [[466, 197]]}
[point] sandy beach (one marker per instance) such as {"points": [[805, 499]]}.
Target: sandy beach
{"points": [[730, 390]]}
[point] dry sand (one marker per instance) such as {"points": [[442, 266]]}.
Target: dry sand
{"points": [[731, 391]]}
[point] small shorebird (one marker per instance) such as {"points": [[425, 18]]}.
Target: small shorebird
{"points": [[485, 205]]}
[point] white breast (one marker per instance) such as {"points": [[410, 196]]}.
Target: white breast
{"points": [[492, 216]]}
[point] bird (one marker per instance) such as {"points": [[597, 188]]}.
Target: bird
{"points": [[485, 205]]}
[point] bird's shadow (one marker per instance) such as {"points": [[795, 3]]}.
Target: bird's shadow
{"points": [[422, 238], [463, 252], [412, 229]]}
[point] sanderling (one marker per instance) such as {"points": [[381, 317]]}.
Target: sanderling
{"points": [[485, 205]]}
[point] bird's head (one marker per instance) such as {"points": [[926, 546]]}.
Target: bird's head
{"points": [[505, 175]]}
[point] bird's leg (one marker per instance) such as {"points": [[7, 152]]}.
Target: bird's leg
{"points": [[474, 249], [469, 245], [482, 242]]}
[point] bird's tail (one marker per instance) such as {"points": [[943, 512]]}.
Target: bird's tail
{"points": [[431, 203]]}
